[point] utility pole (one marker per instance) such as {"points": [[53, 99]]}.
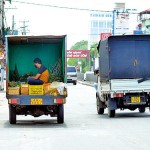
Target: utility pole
{"points": [[24, 27], [13, 24], [1, 43], [1, 21]]}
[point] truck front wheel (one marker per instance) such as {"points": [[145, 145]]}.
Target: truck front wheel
{"points": [[12, 114], [60, 114], [111, 113]]}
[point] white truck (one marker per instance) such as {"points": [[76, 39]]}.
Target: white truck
{"points": [[124, 74]]}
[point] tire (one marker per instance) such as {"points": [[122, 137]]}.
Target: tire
{"points": [[12, 114], [60, 114], [142, 109], [111, 113], [75, 83], [99, 109]]}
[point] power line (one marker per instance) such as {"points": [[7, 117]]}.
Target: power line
{"points": [[62, 7], [65, 7]]}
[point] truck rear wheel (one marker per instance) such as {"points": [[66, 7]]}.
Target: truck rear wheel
{"points": [[60, 114], [99, 109], [142, 109], [12, 114], [111, 113]]}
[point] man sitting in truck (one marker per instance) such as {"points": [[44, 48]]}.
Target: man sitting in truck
{"points": [[42, 76]]}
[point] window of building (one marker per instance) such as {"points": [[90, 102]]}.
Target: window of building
{"points": [[95, 24], [102, 24], [109, 24]]}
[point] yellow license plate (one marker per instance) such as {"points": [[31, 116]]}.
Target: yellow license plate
{"points": [[135, 100], [36, 101]]}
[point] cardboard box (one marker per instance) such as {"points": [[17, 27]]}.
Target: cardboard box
{"points": [[13, 90], [36, 90], [46, 87], [24, 89]]}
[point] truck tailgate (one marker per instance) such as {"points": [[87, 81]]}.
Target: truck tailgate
{"points": [[130, 85]]}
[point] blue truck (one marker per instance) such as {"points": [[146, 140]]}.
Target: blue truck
{"points": [[21, 51], [123, 74]]}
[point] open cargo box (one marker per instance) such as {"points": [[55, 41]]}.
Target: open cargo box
{"points": [[21, 51]]}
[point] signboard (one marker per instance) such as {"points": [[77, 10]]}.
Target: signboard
{"points": [[78, 54], [121, 22], [104, 35]]}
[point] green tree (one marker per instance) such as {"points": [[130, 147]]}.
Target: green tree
{"points": [[93, 53], [82, 45], [72, 61]]}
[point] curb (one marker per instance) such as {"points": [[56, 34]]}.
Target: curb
{"points": [[86, 83]]}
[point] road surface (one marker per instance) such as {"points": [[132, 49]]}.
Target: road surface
{"points": [[83, 129]]}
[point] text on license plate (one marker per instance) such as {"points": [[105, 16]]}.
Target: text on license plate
{"points": [[36, 101], [135, 100]]}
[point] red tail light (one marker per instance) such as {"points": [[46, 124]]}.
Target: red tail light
{"points": [[13, 101], [59, 101], [118, 95]]}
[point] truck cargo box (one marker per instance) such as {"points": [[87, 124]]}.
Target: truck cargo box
{"points": [[125, 57], [35, 100], [22, 50]]}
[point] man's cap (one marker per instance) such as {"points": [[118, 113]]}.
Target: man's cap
{"points": [[37, 60]]}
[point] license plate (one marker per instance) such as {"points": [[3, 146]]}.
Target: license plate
{"points": [[135, 100], [36, 101]]}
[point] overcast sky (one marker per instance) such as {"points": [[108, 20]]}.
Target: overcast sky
{"points": [[52, 20]]}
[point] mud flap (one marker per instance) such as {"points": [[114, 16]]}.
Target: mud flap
{"points": [[112, 104]]}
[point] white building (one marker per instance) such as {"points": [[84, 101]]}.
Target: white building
{"points": [[145, 20], [100, 22]]}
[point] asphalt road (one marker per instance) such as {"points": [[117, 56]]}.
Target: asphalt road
{"points": [[83, 129]]}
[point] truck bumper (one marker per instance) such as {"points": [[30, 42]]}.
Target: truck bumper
{"points": [[36, 100]]}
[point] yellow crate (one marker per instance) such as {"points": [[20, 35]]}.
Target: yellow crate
{"points": [[36, 90], [24, 89], [13, 90]]}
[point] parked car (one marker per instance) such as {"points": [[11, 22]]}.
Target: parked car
{"points": [[72, 75]]}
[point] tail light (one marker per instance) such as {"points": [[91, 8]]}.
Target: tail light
{"points": [[117, 95], [59, 101], [14, 101]]}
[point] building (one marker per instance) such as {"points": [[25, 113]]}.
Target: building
{"points": [[100, 22], [144, 18]]}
